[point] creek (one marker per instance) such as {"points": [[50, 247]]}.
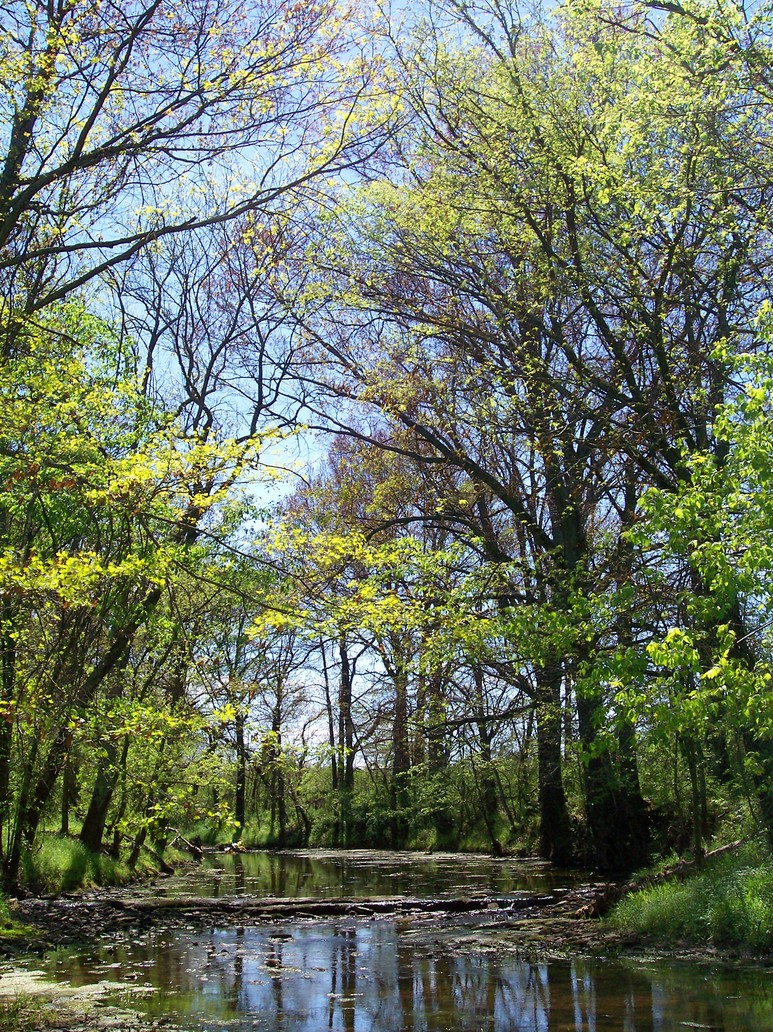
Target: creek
{"points": [[432, 972]]}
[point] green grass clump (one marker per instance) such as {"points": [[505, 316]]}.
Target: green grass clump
{"points": [[209, 832], [62, 864], [23, 1014], [728, 903], [12, 933]]}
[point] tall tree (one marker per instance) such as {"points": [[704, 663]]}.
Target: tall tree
{"points": [[535, 292], [102, 493], [128, 123]]}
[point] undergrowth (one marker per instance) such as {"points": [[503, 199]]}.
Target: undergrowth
{"points": [[60, 864], [209, 833], [63, 864], [728, 903]]}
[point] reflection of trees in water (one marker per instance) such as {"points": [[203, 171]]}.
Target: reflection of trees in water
{"points": [[427, 992], [481, 993], [377, 959], [239, 967], [627, 996], [583, 995], [291, 874], [343, 979], [373, 977], [239, 875], [524, 1001], [275, 963]]}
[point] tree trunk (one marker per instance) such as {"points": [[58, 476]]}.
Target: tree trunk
{"points": [[7, 694], [241, 777], [437, 755], [345, 744], [114, 829], [488, 789], [330, 720], [64, 827], [400, 760], [16, 838], [555, 830], [615, 810], [107, 777], [95, 820]]}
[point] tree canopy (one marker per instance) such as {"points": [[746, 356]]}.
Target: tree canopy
{"points": [[502, 276]]}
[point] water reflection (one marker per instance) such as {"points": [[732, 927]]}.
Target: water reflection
{"points": [[383, 976], [322, 873], [399, 975]]}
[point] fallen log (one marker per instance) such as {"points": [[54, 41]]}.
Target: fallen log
{"points": [[193, 847], [252, 906]]}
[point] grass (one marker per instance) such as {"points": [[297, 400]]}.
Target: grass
{"points": [[12, 932], [208, 832], [727, 904], [29, 1013], [23, 1014], [62, 864]]}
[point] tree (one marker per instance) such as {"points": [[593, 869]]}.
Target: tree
{"points": [[128, 128], [714, 656], [128, 123], [534, 290], [102, 492]]}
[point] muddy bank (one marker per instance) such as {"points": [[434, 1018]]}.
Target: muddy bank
{"points": [[559, 924], [478, 923]]}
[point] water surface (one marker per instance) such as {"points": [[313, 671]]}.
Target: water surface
{"points": [[430, 974], [329, 873], [379, 976]]}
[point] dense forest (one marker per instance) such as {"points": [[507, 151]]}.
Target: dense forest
{"points": [[386, 453]]}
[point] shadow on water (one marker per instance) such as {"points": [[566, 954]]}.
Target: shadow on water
{"points": [[399, 975]]}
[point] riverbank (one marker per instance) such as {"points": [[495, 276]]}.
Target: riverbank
{"points": [[734, 883], [447, 912], [532, 942], [534, 938], [545, 926]]}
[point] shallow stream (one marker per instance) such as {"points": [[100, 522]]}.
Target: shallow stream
{"points": [[388, 974]]}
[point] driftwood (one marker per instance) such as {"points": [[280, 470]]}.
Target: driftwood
{"points": [[195, 850], [612, 894], [75, 918]]}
